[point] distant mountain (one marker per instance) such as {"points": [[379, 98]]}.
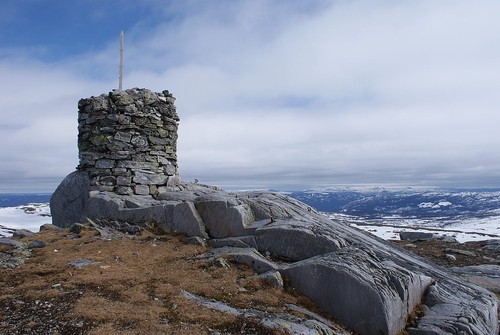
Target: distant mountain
{"points": [[379, 202]]}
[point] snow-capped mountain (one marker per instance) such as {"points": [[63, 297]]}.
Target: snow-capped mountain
{"points": [[476, 213], [375, 203]]}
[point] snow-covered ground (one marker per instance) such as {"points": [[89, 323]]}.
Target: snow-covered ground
{"points": [[468, 229], [29, 217]]}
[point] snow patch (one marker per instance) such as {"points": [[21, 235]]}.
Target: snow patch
{"points": [[388, 228], [29, 217], [434, 205]]}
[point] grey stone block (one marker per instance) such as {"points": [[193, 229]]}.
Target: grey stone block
{"points": [[10, 242], [367, 295], [36, 244], [68, 202], [416, 235], [224, 220], [20, 233], [141, 189], [452, 310], [187, 220], [292, 240], [238, 242]]}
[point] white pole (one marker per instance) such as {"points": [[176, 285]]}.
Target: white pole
{"points": [[121, 61]]}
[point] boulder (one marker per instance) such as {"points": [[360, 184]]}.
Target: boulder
{"points": [[49, 226], [281, 237], [368, 295], [423, 236], [128, 176], [416, 235], [36, 244], [76, 228], [187, 220], [20, 233], [224, 216], [69, 200], [238, 242]]}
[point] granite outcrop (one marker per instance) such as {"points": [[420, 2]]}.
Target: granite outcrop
{"points": [[365, 283]]}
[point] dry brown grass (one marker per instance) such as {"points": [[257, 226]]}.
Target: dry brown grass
{"points": [[134, 287]]}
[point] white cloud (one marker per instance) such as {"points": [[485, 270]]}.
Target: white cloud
{"points": [[38, 124], [275, 93]]}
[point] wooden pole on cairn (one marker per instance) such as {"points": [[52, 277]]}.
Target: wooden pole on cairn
{"points": [[120, 84]]}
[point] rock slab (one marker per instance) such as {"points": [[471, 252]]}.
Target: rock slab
{"points": [[360, 280]]}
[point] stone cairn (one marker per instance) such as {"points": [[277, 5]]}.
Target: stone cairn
{"points": [[127, 141]]}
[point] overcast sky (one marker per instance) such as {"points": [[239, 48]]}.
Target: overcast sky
{"points": [[284, 94]]}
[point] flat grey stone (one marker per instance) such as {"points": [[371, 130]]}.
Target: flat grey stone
{"points": [[80, 263], [49, 226], [224, 218], [20, 233], [238, 242], [277, 322], [485, 275], [36, 244], [248, 256], [416, 235], [280, 239], [367, 295], [490, 270], [460, 252], [187, 220], [10, 242]]}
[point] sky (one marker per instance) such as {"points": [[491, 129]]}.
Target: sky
{"points": [[275, 94]]}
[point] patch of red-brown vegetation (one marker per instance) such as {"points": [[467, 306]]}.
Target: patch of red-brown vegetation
{"points": [[473, 253], [133, 286]]}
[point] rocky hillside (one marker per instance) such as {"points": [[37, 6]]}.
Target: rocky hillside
{"points": [[368, 285], [128, 177], [440, 205], [96, 280]]}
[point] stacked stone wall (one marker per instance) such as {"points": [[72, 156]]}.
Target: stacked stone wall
{"points": [[127, 141]]}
